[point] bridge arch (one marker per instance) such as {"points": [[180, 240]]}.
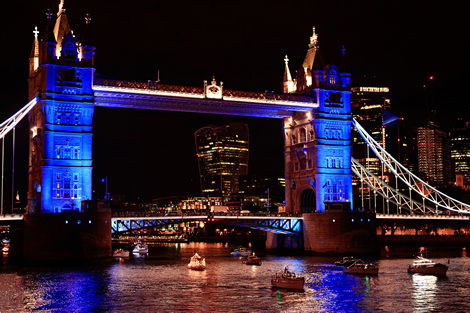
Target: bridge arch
{"points": [[308, 201]]}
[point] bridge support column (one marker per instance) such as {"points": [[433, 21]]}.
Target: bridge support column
{"points": [[66, 236], [340, 233], [282, 242]]}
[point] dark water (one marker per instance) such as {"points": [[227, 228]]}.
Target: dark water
{"points": [[161, 282]]}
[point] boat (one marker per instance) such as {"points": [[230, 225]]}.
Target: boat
{"points": [[287, 280], [347, 261], [252, 260], [362, 268], [140, 248], [197, 263], [241, 251], [426, 266], [121, 253], [423, 250]]}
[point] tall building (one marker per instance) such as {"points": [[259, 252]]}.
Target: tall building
{"points": [[460, 152], [222, 153], [434, 155]]}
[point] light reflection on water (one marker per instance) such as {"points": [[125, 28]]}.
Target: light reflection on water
{"points": [[161, 282]]}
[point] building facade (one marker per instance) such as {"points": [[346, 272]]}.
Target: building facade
{"points": [[222, 153]]}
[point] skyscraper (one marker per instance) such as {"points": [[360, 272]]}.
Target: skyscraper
{"points": [[222, 153], [460, 152], [434, 158]]}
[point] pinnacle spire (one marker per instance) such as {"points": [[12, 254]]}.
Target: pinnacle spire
{"points": [[287, 75], [61, 8], [87, 38], [313, 39]]}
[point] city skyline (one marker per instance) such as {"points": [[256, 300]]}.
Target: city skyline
{"points": [[188, 44]]}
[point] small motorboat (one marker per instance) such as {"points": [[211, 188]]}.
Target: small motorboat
{"points": [[197, 263], [121, 253], [141, 248], [362, 268], [241, 251], [252, 260], [287, 280], [347, 261], [426, 266]]}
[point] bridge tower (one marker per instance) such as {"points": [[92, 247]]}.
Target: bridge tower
{"points": [[317, 145], [60, 163], [61, 73], [317, 158]]}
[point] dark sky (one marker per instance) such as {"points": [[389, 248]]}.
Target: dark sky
{"points": [[150, 154]]}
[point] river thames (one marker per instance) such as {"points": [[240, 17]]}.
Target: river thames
{"points": [[161, 282]]}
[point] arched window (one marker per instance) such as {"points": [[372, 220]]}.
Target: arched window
{"points": [[303, 135]]}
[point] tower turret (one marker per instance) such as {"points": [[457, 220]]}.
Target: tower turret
{"points": [[87, 50], [344, 69], [48, 43], [288, 85], [61, 28], [34, 56]]}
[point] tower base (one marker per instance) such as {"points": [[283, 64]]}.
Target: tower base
{"points": [[66, 236], [340, 233]]}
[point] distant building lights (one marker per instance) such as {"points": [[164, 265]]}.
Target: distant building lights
{"points": [[334, 220], [352, 220], [89, 221], [79, 222], [66, 222]]}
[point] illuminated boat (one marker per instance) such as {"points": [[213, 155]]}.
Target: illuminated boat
{"points": [[140, 248], [121, 253], [347, 261], [426, 266], [252, 260], [241, 251], [362, 268], [197, 263], [287, 280]]}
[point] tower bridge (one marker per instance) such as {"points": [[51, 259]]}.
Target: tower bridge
{"points": [[315, 110]]}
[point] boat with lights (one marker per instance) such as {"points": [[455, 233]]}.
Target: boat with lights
{"points": [[121, 253], [426, 266], [197, 263], [141, 248], [347, 261], [287, 280], [241, 251], [252, 260], [362, 268]]}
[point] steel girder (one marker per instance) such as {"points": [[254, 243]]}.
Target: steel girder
{"points": [[277, 226], [389, 193], [426, 191], [119, 226]]}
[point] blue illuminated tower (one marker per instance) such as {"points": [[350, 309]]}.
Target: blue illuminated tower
{"points": [[61, 72], [317, 145]]}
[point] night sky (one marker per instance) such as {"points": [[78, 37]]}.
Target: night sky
{"points": [[151, 154]]}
